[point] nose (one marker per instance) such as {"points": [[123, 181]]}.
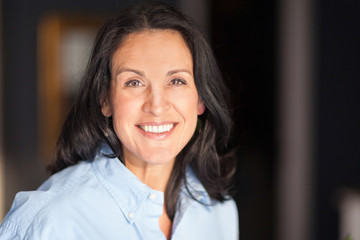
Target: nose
{"points": [[156, 102]]}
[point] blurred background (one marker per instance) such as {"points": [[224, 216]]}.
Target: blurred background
{"points": [[293, 67]]}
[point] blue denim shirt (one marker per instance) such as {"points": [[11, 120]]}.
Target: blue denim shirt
{"points": [[102, 199]]}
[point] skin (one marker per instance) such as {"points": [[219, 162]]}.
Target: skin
{"points": [[153, 85]]}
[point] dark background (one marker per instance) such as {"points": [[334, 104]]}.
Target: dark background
{"points": [[244, 36], [337, 109]]}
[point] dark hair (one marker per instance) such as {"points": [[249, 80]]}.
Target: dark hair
{"points": [[86, 127]]}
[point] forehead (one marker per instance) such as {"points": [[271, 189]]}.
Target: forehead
{"points": [[156, 45]]}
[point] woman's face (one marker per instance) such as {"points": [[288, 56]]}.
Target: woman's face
{"points": [[153, 99]]}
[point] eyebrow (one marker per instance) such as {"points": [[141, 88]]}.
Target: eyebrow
{"points": [[122, 69], [179, 70]]}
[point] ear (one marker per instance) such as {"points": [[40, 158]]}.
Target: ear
{"points": [[105, 107], [201, 107]]}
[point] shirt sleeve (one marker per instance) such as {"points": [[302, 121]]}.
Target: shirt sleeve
{"points": [[7, 232]]}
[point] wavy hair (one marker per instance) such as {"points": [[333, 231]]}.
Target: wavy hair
{"points": [[86, 127]]}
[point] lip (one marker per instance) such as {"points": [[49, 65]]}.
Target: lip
{"points": [[156, 136]]}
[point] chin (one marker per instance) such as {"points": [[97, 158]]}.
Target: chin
{"points": [[160, 158]]}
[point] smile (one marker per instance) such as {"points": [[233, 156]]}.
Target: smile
{"points": [[157, 129]]}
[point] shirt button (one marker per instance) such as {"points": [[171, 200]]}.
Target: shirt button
{"points": [[152, 196], [131, 215]]}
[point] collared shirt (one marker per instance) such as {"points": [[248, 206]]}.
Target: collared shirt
{"points": [[102, 199]]}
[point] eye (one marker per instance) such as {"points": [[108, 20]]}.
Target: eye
{"points": [[133, 83], [178, 81]]}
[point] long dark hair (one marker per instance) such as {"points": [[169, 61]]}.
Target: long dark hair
{"points": [[86, 127]]}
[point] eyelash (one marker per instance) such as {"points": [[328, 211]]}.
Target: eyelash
{"points": [[175, 81], [179, 80], [131, 82]]}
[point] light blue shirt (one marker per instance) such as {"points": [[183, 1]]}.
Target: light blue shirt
{"points": [[102, 199]]}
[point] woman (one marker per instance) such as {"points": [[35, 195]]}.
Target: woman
{"points": [[142, 153]]}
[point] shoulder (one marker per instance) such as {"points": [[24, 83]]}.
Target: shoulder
{"points": [[195, 192], [222, 216], [227, 207], [219, 220], [223, 213], [36, 209], [226, 215]]}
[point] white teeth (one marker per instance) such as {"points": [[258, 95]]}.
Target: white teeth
{"points": [[157, 129]]}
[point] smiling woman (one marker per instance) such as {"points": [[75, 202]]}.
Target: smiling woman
{"points": [[154, 96], [142, 154], [153, 105]]}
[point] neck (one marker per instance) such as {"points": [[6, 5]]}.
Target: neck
{"points": [[156, 176]]}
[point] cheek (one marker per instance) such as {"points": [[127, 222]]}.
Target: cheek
{"points": [[125, 103], [124, 110], [188, 106]]}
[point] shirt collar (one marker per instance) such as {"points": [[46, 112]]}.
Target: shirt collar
{"points": [[130, 193], [195, 188], [192, 189], [126, 189]]}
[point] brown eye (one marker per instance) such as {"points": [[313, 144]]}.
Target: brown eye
{"points": [[133, 83], [178, 81]]}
